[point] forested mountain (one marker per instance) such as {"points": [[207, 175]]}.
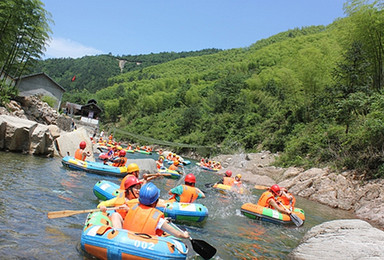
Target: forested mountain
{"points": [[83, 76], [313, 94]]}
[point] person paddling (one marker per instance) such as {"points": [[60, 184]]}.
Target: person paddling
{"points": [[121, 160], [143, 217], [227, 179], [124, 200], [188, 192], [269, 199]]}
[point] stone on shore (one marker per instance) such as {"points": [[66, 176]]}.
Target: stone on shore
{"points": [[341, 239], [22, 135]]}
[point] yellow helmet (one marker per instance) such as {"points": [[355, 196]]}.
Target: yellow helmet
{"points": [[238, 176], [132, 167]]}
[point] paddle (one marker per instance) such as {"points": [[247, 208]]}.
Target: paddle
{"points": [[201, 247], [67, 213], [209, 185], [159, 174], [261, 187], [295, 219]]}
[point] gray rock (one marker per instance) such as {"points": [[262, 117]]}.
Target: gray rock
{"points": [[21, 135], [341, 239]]}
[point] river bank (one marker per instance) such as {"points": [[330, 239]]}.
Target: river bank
{"points": [[338, 190]]}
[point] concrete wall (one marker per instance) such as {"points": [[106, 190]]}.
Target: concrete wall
{"points": [[40, 85]]}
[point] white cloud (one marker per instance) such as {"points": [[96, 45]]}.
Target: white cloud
{"points": [[66, 48]]}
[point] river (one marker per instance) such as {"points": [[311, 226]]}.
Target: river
{"points": [[31, 186]]}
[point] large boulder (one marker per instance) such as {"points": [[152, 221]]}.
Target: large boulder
{"points": [[145, 165], [341, 239], [22, 135], [68, 143]]}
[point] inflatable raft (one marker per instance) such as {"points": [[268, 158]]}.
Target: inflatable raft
{"points": [[228, 188], [190, 212], [93, 167], [170, 173], [104, 242], [184, 212], [258, 212], [205, 168]]}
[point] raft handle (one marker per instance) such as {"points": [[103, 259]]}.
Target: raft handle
{"points": [[144, 235]]}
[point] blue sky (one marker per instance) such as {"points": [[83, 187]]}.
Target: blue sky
{"points": [[132, 27]]}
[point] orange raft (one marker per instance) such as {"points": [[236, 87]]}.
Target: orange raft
{"points": [[258, 212]]}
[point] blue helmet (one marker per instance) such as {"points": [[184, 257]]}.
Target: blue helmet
{"points": [[148, 194]]}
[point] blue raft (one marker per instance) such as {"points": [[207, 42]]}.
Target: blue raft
{"points": [[104, 242], [94, 167], [189, 212]]}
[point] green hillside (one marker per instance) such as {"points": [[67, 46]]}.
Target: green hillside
{"points": [[92, 72], [313, 94]]}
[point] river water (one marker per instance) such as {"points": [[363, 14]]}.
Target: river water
{"points": [[31, 186]]}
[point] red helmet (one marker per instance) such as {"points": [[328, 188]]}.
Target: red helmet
{"points": [[190, 178], [275, 189], [83, 144], [228, 173], [122, 153], [131, 181]]}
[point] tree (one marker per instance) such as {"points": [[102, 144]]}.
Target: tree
{"points": [[24, 30], [367, 18]]}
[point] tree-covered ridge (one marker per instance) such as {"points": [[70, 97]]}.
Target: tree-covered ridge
{"points": [[313, 94], [92, 72]]}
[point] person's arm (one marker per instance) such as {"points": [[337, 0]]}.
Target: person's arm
{"points": [[108, 203], [176, 190], [274, 204], [171, 230], [200, 193]]}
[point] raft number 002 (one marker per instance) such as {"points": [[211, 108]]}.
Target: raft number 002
{"points": [[144, 245]]}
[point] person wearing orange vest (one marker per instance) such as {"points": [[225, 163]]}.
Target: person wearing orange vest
{"points": [[227, 179], [174, 166], [81, 154], [121, 161], [143, 217], [287, 199], [187, 193], [133, 170], [125, 199], [269, 199], [237, 181]]}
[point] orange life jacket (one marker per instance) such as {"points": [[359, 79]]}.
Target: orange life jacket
{"points": [[172, 167], [189, 195], [265, 198], [79, 154], [286, 202], [143, 219], [121, 200], [228, 181], [120, 162], [159, 164]]}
